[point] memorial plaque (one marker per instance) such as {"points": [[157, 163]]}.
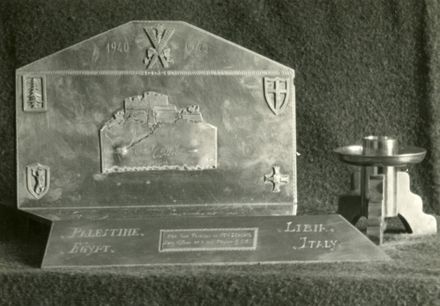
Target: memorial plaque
{"points": [[138, 142], [153, 118], [208, 240]]}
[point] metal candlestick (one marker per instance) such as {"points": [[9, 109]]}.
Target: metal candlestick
{"points": [[383, 187]]}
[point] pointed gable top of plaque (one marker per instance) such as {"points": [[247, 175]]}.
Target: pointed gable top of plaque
{"points": [[155, 47], [156, 115]]}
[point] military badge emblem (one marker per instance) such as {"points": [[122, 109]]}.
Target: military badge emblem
{"points": [[276, 93], [158, 53], [37, 180]]}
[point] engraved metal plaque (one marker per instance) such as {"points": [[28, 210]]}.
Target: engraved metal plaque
{"points": [[156, 118], [208, 240]]}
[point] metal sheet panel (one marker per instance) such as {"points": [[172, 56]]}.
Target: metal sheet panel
{"points": [[156, 114]]}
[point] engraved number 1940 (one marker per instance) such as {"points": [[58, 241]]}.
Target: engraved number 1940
{"points": [[115, 46]]}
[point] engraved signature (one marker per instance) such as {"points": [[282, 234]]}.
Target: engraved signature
{"points": [[196, 48], [162, 153]]}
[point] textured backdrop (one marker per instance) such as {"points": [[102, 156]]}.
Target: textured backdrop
{"points": [[362, 67]]}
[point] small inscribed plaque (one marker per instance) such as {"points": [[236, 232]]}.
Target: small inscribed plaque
{"points": [[209, 239]]}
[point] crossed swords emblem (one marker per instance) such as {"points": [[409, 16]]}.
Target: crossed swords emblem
{"points": [[158, 52]]}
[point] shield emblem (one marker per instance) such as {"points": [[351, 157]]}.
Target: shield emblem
{"points": [[276, 93], [37, 180]]}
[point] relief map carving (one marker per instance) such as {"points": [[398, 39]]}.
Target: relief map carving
{"points": [[150, 133]]}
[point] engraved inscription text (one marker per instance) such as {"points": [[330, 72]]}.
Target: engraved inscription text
{"points": [[117, 47], [87, 241], [212, 239], [306, 242]]}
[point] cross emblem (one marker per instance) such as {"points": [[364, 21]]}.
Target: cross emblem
{"points": [[276, 178], [158, 52], [276, 93]]}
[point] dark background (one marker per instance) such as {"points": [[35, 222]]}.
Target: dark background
{"points": [[362, 67]]}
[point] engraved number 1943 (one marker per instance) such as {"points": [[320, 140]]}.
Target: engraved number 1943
{"points": [[115, 46]]}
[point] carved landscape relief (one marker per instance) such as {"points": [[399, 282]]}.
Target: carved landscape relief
{"points": [[150, 133]]}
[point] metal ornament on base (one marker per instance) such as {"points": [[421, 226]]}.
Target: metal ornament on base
{"points": [[383, 189]]}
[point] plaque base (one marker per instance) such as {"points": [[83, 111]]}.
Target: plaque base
{"points": [[206, 240]]}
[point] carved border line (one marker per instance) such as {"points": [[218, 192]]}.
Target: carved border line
{"points": [[116, 169], [163, 72], [152, 206]]}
